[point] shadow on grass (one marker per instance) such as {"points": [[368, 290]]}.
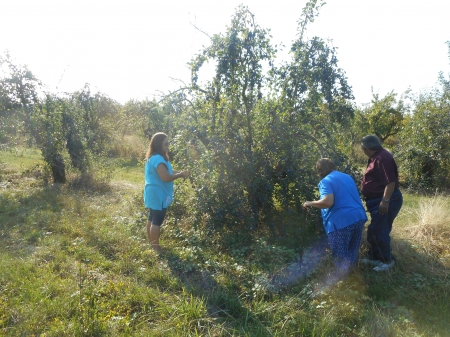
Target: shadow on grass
{"points": [[309, 260], [28, 214], [20, 227], [223, 303]]}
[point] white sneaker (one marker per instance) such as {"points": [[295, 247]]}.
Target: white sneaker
{"points": [[384, 266], [370, 262]]}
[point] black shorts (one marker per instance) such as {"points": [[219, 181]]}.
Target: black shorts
{"points": [[156, 217]]}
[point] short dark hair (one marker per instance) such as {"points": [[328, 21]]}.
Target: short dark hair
{"points": [[324, 167], [371, 142]]}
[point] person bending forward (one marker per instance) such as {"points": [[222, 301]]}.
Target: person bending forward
{"points": [[343, 214]]}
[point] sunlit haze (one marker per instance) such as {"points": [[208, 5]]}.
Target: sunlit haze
{"points": [[135, 49]]}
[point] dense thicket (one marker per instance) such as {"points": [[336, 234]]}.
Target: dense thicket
{"points": [[253, 132]]}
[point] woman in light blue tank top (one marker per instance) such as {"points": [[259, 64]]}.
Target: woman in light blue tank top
{"points": [[158, 190]]}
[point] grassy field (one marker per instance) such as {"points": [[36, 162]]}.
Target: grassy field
{"points": [[74, 262]]}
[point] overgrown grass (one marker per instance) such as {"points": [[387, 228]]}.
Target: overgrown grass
{"points": [[74, 262]]}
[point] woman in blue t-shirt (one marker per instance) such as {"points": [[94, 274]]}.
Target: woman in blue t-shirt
{"points": [[158, 191], [342, 211]]}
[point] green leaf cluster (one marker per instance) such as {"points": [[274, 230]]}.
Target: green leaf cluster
{"points": [[252, 133]]}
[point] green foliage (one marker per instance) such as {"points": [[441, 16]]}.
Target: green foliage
{"points": [[224, 118], [73, 124], [143, 118], [18, 92], [424, 148], [309, 13], [87, 129], [47, 121], [383, 117], [55, 123], [252, 134], [18, 85]]}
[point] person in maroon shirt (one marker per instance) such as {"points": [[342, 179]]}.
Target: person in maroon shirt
{"points": [[384, 200]]}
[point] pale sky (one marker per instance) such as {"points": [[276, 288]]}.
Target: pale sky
{"points": [[131, 49]]}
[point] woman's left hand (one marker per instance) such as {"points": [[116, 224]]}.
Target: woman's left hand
{"points": [[384, 206]]}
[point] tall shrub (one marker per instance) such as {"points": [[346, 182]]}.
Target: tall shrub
{"points": [[252, 134]]}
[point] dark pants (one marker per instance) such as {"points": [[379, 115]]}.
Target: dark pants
{"points": [[344, 245], [379, 230]]}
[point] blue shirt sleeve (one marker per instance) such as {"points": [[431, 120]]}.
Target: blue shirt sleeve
{"points": [[325, 188]]}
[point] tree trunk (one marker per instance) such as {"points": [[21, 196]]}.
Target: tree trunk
{"points": [[58, 169]]}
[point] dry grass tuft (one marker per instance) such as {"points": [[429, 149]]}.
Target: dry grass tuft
{"points": [[129, 147], [431, 227]]}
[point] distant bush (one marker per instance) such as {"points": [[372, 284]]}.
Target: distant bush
{"points": [[128, 146], [424, 143]]}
